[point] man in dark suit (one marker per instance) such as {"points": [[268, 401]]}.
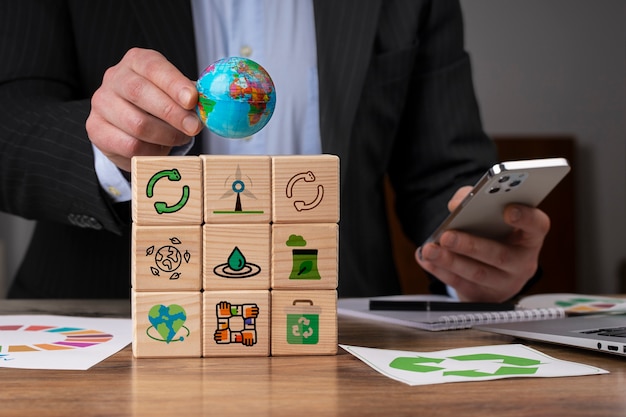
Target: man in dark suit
{"points": [[395, 98]]}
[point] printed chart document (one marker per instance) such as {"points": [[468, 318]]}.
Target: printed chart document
{"points": [[60, 342]]}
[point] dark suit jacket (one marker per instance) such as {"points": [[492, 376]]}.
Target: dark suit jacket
{"points": [[396, 99]]}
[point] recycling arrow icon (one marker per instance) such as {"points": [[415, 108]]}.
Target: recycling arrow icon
{"points": [[506, 365]]}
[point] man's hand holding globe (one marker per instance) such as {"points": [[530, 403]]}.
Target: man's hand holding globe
{"points": [[146, 106]]}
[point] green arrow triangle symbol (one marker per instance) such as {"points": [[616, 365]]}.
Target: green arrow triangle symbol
{"points": [[414, 364], [504, 370], [510, 360], [418, 364]]}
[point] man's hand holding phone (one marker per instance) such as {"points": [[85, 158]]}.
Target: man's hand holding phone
{"points": [[482, 269], [489, 266]]}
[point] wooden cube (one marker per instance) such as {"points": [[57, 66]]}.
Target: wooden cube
{"points": [[167, 324], [166, 258], [304, 322], [305, 189], [167, 190], [305, 256], [237, 189], [236, 257], [236, 323]]}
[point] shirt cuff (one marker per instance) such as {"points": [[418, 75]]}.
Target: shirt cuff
{"points": [[183, 149], [110, 178], [452, 292]]}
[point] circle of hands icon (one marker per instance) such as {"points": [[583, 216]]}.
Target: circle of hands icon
{"points": [[226, 332]]}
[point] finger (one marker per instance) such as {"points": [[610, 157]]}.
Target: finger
{"points": [[471, 280], [531, 224], [136, 122], [120, 147], [510, 257], [494, 264], [454, 265], [144, 94], [481, 249], [146, 79], [155, 67], [458, 196], [466, 290]]}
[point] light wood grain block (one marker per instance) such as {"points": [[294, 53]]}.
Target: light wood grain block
{"points": [[166, 258], [167, 190], [304, 322], [237, 189], [236, 257], [167, 324], [236, 323], [305, 256], [305, 189]]}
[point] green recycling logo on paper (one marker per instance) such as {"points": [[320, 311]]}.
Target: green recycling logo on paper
{"points": [[467, 365]]}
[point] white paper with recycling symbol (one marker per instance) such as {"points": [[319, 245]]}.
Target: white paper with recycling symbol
{"points": [[480, 363]]}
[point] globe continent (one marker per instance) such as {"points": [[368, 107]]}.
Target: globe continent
{"points": [[168, 258], [236, 97], [167, 320]]}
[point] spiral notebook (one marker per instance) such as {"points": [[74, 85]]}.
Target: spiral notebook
{"points": [[531, 308]]}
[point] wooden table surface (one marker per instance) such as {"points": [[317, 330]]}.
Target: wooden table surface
{"points": [[300, 386]]}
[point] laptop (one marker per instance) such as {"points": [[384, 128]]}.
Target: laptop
{"points": [[602, 333]]}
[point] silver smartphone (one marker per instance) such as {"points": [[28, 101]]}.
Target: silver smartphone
{"points": [[526, 182]]}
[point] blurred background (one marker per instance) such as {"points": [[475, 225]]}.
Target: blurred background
{"points": [[558, 67], [543, 69]]}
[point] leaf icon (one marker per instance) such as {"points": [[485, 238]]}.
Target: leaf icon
{"points": [[154, 271], [187, 256], [175, 241], [305, 267], [150, 251], [175, 275]]}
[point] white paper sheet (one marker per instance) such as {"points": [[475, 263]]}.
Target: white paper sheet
{"points": [[60, 342], [468, 364]]}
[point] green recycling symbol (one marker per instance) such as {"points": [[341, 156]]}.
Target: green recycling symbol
{"points": [[161, 206], [511, 365]]}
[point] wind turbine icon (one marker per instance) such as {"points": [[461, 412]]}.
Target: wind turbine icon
{"points": [[238, 186]]}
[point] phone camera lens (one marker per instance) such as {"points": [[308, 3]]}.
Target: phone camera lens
{"points": [[515, 183], [504, 178], [494, 190]]}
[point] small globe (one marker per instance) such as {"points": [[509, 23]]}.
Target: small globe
{"points": [[236, 97], [168, 258]]}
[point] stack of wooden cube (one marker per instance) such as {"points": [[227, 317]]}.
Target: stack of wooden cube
{"points": [[235, 255]]}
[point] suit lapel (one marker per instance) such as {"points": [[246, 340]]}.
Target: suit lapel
{"points": [[344, 46], [157, 19]]}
